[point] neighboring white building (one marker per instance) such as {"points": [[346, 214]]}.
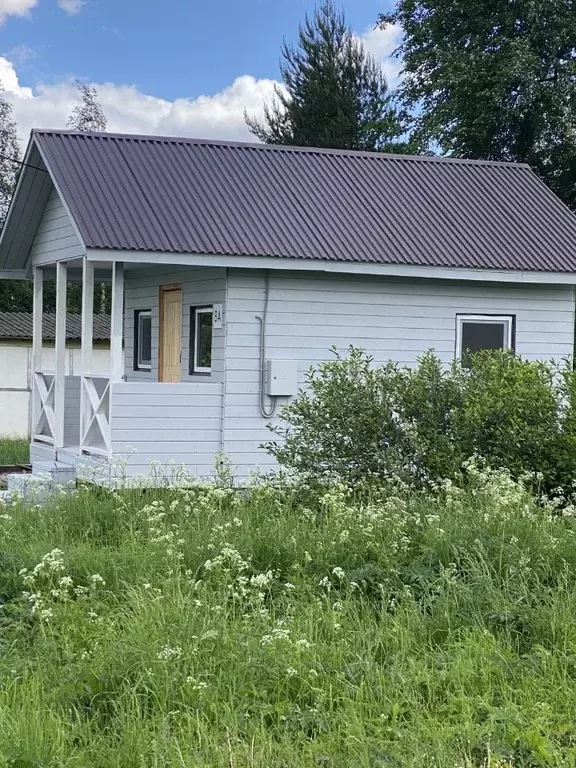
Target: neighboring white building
{"points": [[235, 267], [16, 362]]}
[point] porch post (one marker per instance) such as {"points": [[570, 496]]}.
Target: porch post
{"points": [[37, 312], [60, 354], [86, 342], [87, 315], [117, 322]]}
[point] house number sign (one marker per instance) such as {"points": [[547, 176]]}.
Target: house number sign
{"points": [[217, 316]]}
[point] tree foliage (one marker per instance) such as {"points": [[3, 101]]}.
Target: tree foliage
{"points": [[88, 115], [334, 95], [9, 156], [493, 80]]}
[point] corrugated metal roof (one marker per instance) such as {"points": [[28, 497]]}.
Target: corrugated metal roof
{"points": [[209, 197], [18, 325]]}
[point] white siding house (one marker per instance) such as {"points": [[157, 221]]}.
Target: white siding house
{"points": [[235, 268]]}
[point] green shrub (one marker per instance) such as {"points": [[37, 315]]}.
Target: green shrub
{"points": [[355, 421], [344, 423]]}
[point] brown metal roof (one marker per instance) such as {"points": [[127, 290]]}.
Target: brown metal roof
{"points": [[18, 325], [209, 197]]}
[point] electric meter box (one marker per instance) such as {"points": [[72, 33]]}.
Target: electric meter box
{"points": [[281, 378]]}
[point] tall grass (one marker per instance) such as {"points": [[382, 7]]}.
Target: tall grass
{"points": [[14, 451], [272, 628]]}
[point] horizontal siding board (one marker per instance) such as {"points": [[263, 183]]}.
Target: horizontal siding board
{"points": [[165, 432], [55, 237], [166, 388], [169, 447], [194, 423], [162, 400]]}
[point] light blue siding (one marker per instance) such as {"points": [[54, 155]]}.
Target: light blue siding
{"points": [[391, 319], [200, 287], [55, 238], [153, 421]]}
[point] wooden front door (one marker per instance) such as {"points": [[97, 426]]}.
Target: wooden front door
{"points": [[170, 348]]}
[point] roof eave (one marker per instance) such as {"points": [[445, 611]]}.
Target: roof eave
{"points": [[334, 267]]}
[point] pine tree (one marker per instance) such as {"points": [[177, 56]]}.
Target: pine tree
{"points": [[9, 156], [335, 93], [88, 115]]}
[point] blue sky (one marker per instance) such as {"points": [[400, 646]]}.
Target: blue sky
{"points": [[186, 63]]}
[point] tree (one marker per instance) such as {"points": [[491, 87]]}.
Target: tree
{"points": [[493, 80], [88, 115], [9, 156], [335, 94]]}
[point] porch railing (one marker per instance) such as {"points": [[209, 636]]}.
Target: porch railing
{"points": [[43, 398], [95, 431]]}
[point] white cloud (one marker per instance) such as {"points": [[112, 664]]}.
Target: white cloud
{"points": [[16, 8], [128, 110], [71, 6], [381, 43]]}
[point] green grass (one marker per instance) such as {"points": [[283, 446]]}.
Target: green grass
{"points": [[14, 452], [273, 629]]}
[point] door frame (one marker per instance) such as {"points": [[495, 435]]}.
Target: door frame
{"points": [[164, 289]]}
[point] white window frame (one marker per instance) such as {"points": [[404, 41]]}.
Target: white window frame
{"points": [[209, 310], [143, 366], [506, 320]]}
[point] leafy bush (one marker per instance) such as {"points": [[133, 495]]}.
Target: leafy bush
{"points": [[344, 424], [355, 421]]}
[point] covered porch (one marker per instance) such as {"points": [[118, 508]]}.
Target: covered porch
{"points": [[71, 414], [126, 419]]}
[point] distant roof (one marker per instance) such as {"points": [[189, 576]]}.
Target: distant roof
{"points": [[18, 325], [209, 197]]}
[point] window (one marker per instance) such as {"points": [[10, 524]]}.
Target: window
{"points": [[201, 339], [142, 340], [475, 333]]}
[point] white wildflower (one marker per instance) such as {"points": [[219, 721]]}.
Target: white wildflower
{"points": [[169, 652]]}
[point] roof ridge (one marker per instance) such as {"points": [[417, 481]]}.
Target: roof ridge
{"points": [[260, 147]]}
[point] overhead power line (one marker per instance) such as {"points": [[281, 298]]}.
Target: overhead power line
{"points": [[21, 162]]}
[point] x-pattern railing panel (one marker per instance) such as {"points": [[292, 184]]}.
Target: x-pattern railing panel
{"points": [[96, 433], [44, 413]]}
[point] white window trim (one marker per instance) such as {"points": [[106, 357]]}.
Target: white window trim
{"points": [[506, 320], [200, 311], [144, 366]]}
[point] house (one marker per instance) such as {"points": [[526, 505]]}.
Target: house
{"points": [[16, 362], [234, 267]]}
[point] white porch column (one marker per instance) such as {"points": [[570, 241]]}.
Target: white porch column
{"points": [[87, 315], [60, 355], [87, 340], [37, 313], [117, 323]]}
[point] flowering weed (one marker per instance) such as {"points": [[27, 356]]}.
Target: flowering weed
{"points": [[270, 626]]}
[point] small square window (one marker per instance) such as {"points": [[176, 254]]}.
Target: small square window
{"points": [[142, 340], [201, 337], [475, 333]]}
